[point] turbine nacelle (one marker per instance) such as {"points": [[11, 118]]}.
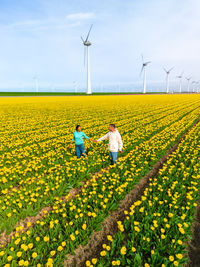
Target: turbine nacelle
{"points": [[167, 78], [146, 63], [168, 71], [87, 43], [180, 76]]}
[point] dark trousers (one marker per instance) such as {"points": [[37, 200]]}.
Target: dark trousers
{"points": [[113, 157], [80, 150]]}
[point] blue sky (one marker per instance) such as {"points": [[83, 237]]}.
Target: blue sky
{"points": [[42, 37]]}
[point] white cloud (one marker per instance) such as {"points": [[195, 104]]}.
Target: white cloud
{"points": [[81, 16]]}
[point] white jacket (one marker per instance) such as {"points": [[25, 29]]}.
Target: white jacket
{"points": [[115, 141]]}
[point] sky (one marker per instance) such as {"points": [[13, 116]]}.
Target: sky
{"points": [[42, 38]]}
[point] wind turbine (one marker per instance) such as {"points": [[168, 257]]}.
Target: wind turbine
{"points": [[144, 64], [75, 86], [36, 83], [87, 44], [197, 83], [167, 78], [193, 86], [188, 83], [180, 82]]}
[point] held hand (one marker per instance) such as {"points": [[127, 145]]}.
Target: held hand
{"points": [[121, 151], [95, 141]]}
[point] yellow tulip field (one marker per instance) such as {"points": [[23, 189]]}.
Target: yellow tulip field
{"points": [[52, 204]]}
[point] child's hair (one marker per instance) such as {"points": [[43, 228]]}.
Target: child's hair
{"points": [[77, 127], [113, 125]]}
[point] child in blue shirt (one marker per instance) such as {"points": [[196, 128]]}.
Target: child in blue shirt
{"points": [[78, 139]]}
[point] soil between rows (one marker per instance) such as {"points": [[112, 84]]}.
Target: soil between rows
{"points": [[193, 246]]}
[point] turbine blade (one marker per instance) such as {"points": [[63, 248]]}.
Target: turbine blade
{"points": [[171, 69], [142, 58], [165, 70], [141, 70], [147, 62], [89, 33], [82, 39]]}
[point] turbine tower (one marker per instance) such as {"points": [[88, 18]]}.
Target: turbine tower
{"points": [[180, 82], [167, 78], [193, 86], [87, 44], [144, 64], [197, 86], [188, 83], [36, 83], [75, 86]]}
